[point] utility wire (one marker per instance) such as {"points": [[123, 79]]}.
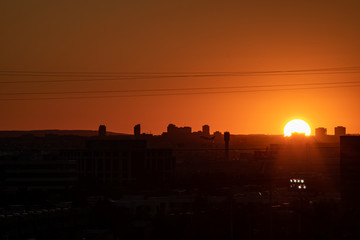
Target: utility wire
{"points": [[158, 77], [176, 94], [179, 89], [174, 73], [133, 76]]}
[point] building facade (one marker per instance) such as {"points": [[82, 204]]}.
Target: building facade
{"points": [[34, 170], [320, 132], [340, 131], [121, 162], [350, 168]]}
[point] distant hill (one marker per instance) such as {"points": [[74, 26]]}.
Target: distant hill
{"points": [[41, 133]]}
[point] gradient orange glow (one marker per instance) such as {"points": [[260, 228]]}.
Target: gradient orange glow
{"points": [[180, 36]]}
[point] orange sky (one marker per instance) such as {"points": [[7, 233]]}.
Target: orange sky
{"points": [[181, 36]]}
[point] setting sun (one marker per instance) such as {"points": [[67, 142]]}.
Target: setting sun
{"points": [[297, 126]]}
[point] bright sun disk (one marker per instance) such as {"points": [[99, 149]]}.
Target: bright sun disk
{"points": [[297, 126]]}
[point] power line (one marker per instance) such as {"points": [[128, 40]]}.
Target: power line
{"points": [[161, 77], [175, 94], [61, 73], [133, 76], [179, 89]]}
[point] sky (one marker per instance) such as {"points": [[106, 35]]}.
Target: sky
{"points": [[42, 41]]}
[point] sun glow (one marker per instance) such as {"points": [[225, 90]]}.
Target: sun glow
{"points": [[297, 126]]}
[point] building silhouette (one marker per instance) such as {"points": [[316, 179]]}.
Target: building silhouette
{"points": [[173, 130], [340, 131], [137, 130], [217, 135], [121, 162], [350, 168], [102, 131], [33, 170], [227, 140], [320, 132], [206, 130]]}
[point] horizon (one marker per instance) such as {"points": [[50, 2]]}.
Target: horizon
{"points": [[246, 67], [180, 119], [159, 134]]}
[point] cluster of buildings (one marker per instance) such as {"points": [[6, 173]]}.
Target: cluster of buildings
{"points": [[274, 178], [102, 161], [321, 132], [129, 161], [175, 131]]}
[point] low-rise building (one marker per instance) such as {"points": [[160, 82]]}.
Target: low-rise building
{"points": [[121, 162]]}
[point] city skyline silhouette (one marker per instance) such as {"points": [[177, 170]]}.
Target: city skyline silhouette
{"points": [[247, 67], [173, 120]]}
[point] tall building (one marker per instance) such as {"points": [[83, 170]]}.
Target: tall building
{"points": [[350, 168], [206, 130], [227, 139], [320, 132], [102, 131], [340, 131], [137, 130], [171, 128]]}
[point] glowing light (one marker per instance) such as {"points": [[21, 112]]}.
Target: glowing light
{"points": [[297, 126]]}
